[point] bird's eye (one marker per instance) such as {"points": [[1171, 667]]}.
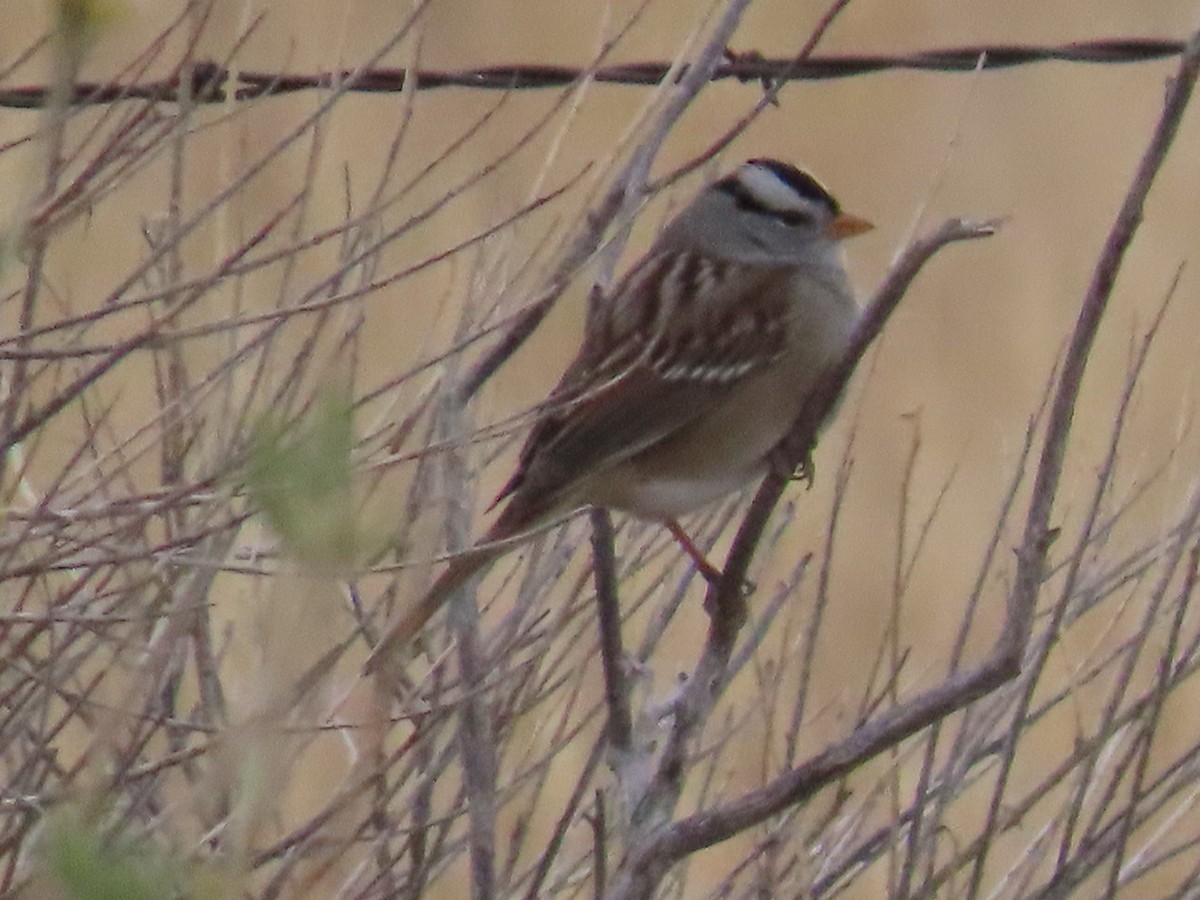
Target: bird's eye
{"points": [[792, 217]]}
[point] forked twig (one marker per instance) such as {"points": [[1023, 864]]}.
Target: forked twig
{"points": [[1038, 535]]}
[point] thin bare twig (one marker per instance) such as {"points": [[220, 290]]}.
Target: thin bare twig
{"points": [[608, 616]]}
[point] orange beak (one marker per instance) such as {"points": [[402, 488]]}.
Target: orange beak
{"points": [[847, 225]]}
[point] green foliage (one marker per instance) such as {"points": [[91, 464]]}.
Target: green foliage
{"points": [[86, 867], [79, 21], [301, 477]]}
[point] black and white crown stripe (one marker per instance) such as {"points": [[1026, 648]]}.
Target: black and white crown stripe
{"points": [[778, 189]]}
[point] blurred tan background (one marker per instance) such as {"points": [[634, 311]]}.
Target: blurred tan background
{"points": [[964, 361]]}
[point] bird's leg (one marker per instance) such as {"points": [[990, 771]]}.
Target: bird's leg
{"points": [[710, 572]]}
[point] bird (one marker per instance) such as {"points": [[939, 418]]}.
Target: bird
{"points": [[689, 374]]}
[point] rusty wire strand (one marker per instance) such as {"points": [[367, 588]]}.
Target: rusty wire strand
{"points": [[213, 83]]}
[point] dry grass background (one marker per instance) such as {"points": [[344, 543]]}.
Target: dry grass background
{"points": [[961, 368]]}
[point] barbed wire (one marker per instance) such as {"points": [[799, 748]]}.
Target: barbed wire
{"points": [[210, 82]]}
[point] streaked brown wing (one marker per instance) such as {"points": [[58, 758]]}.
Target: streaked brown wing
{"points": [[647, 370]]}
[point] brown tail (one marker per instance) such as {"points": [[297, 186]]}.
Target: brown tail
{"points": [[512, 527], [404, 629]]}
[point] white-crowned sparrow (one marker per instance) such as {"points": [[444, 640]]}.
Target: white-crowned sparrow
{"points": [[691, 371]]}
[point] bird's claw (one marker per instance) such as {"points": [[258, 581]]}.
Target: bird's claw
{"points": [[782, 466]]}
